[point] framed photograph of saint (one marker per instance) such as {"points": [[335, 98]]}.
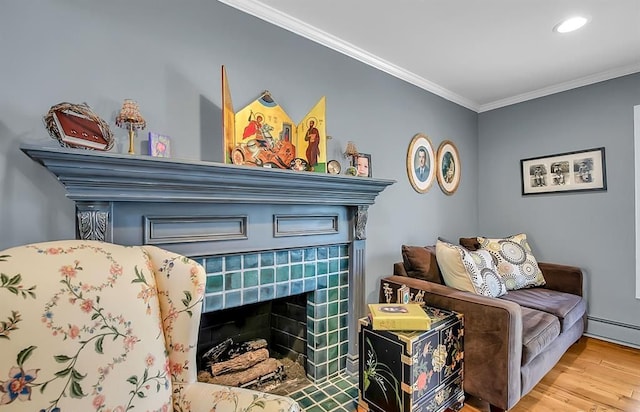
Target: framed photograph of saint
{"points": [[564, 172], [449, 169], [421, 162]]}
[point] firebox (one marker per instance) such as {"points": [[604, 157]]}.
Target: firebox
{"points": [[318, 278]]}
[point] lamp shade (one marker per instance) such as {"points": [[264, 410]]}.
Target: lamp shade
{"points": [[129, 116]]}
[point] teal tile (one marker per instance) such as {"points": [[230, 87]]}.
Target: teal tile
{"points": [[232, 281], [322, 268], [311, 340], [332, 338], [232, 263], [310, 284], [344, 348], [344, 279], [200, 261], [318, 396], [321, 342], [282, 273], [267, 276], [213, 264], [297, 287], [321, 356], [295, 255], [333, 266], [214, 283], [296, 271], [250, 295], [298, 395], [332, 323], [250, 278], [344, 306], [311, 308], [344, 264], [333, 295], [333, 309], [344, 250], [309, 390], [344, 320], [344, 335], [334, 251], [267, 293], [329, 405], [320, 311], [232, 299], [305, 402], [333, 352], [331, 389], [333, 280], [309, 270], [343, 384], [309, 254], [282, 290], [333, 367], [343, 362], [315, 408], [323, 281], [212, 303], [311, 354], [323, 253], [267, 258], [319, 326], [282, 257], [353, 392], [250, 261], [342, 398], [344, 292], [318, 296]]}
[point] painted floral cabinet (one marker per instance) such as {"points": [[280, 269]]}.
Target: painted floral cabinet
{"points": [[413, 371]]}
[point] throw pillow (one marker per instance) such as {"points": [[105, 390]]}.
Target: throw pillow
{"points": [[514, 260], [471, 271], [420, 262]]}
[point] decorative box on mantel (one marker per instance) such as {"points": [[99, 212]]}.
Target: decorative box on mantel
{"points": [[203, 209]]}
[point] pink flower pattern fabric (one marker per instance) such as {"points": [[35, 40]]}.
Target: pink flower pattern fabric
{"points": [[93, 326]]}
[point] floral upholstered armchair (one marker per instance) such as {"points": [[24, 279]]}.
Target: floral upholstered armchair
{"points": [[91, 326]]}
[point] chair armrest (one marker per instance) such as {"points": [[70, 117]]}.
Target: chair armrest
{"points": [[205, 397], [563, 278], [492, 338]]}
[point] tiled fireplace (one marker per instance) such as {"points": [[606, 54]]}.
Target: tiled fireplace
{"points": [[260, 233]]}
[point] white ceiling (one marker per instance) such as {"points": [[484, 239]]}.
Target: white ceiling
{"points": [[480, 54]]}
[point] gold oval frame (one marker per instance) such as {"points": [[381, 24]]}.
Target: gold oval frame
{"points": [[418, 142], [448, 179]]}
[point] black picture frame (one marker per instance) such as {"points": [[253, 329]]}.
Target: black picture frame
{"points": [[577, 171]]}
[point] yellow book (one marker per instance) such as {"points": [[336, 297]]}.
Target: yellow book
{"points": [[397, 316]]}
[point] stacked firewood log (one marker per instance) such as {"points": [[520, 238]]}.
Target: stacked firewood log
{"points": [[245, 364]]}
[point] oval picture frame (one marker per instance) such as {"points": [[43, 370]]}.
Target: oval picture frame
{"points": [[449, 167], [421, 179]]}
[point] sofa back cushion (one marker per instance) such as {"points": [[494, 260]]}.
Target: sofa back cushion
{"points": [[420, 262], [471, 271]]}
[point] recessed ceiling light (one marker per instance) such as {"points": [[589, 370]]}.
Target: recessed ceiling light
{"points": [[571, 24]]}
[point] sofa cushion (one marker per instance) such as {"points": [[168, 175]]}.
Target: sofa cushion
{"points": [[566, 307], [539, 329], [514, 261], [469, 271], [420, 262]]}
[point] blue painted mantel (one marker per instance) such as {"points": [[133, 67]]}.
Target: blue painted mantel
{"points": [[199, 208]]}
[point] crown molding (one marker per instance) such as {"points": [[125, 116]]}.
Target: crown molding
{"points": [[562, 87], [296, 26]]}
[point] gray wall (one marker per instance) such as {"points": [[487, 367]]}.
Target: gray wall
{"points": [[594, 230], [167, 56]]}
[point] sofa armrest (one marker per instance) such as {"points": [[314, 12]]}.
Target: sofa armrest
{"points": [[492, 338], [563, 278], [399, 269]]}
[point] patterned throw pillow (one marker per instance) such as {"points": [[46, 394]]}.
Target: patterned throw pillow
{"points": [[515, 262], [470, 271]]}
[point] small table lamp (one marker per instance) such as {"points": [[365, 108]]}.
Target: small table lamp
{"points": [[130, 118]]}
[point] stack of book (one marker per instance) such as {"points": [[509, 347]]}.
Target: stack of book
{"points": [[398, 316]]}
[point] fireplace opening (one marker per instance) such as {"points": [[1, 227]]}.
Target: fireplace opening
{"points": [[261, 346]]}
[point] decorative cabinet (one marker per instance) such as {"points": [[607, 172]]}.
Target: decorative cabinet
{"points": [[413, 371]]}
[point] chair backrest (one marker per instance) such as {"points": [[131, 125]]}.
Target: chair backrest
{"points": [[87, 325]]}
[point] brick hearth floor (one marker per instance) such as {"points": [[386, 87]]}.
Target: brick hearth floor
{"points": [[338, 394]]}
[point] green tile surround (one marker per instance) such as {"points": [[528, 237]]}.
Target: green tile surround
{"points": [[321, 272]]}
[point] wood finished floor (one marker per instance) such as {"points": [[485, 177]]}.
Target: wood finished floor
{"points": [[593, 376]]}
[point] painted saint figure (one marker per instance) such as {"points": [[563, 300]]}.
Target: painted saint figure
{"points": [[313, 149]]}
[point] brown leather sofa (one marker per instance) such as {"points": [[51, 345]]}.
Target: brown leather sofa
{"points": [[510, 342]]}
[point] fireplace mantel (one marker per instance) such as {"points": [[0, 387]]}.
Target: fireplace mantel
{"points": [[201, 209], [103, 176]]}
